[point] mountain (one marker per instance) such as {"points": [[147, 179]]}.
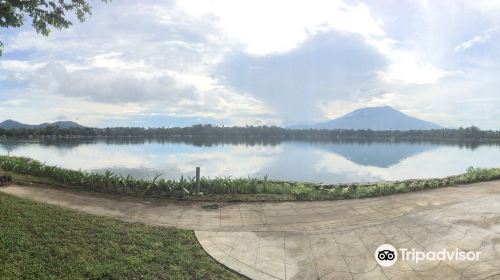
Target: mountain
{"points": [[375, 118], [386, 154], [64, 124], [11, 124]]}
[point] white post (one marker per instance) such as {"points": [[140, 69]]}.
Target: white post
{"points": [[197, 180]]}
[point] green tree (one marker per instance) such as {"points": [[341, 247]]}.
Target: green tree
{"points": [[44, 14]]}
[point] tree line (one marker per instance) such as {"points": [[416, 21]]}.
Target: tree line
{"points": [[207, 131]]}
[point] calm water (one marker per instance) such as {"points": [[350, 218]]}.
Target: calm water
{"points": [[294, 161]]}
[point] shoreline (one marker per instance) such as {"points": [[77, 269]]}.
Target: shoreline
{"points": [[227, 189]]}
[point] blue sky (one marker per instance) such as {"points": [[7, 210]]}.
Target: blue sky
{"points": [[166, 63]]}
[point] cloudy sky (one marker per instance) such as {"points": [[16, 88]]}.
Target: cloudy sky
{"points": [[180, 62]]}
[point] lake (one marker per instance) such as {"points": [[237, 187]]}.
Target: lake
{"points": [[321, 162]]}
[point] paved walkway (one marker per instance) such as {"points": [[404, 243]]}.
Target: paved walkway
{"points": [[324, 239]]}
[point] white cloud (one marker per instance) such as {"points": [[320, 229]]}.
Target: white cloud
{"points": [[267, 27], [160, 13], [406, 66], [408, 70], [478, 39], [488, 8], [14, 102], [468, 44], [158, 64], [18, 65], [165, 61], [424, 3], [284, 25], [17, 70], [31, 41]]}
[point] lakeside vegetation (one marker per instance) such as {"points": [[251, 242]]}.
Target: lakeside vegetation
{"points": [[252, 133], [231, 188], [39, 241]]}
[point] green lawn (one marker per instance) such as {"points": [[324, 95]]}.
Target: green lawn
{"points": [[39, 241]]}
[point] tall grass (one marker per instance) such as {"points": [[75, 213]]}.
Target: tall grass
{"points": [[185, 186], [114, 183]]}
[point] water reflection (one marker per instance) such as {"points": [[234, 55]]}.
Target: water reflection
{"points": [[377, 154], [325, 161]]}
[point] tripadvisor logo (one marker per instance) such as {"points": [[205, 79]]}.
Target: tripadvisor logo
{"points": [[386, 255]]}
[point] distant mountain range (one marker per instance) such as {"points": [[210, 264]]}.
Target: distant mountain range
{"points": [[374, 118], [11, 124]]}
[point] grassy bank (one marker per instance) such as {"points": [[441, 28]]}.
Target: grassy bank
{"points": [[231, 188], [39, 241]]}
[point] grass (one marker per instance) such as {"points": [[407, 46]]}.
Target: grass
{"points": [[227, 189], [39, 241]]}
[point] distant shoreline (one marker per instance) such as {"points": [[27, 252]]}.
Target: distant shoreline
{"points": [[252, 133], [251, 139]]}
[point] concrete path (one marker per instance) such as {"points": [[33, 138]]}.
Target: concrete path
{"points": [[326, 240]]}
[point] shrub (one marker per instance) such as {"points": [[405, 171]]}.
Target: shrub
{"points": [[113, 183]]}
